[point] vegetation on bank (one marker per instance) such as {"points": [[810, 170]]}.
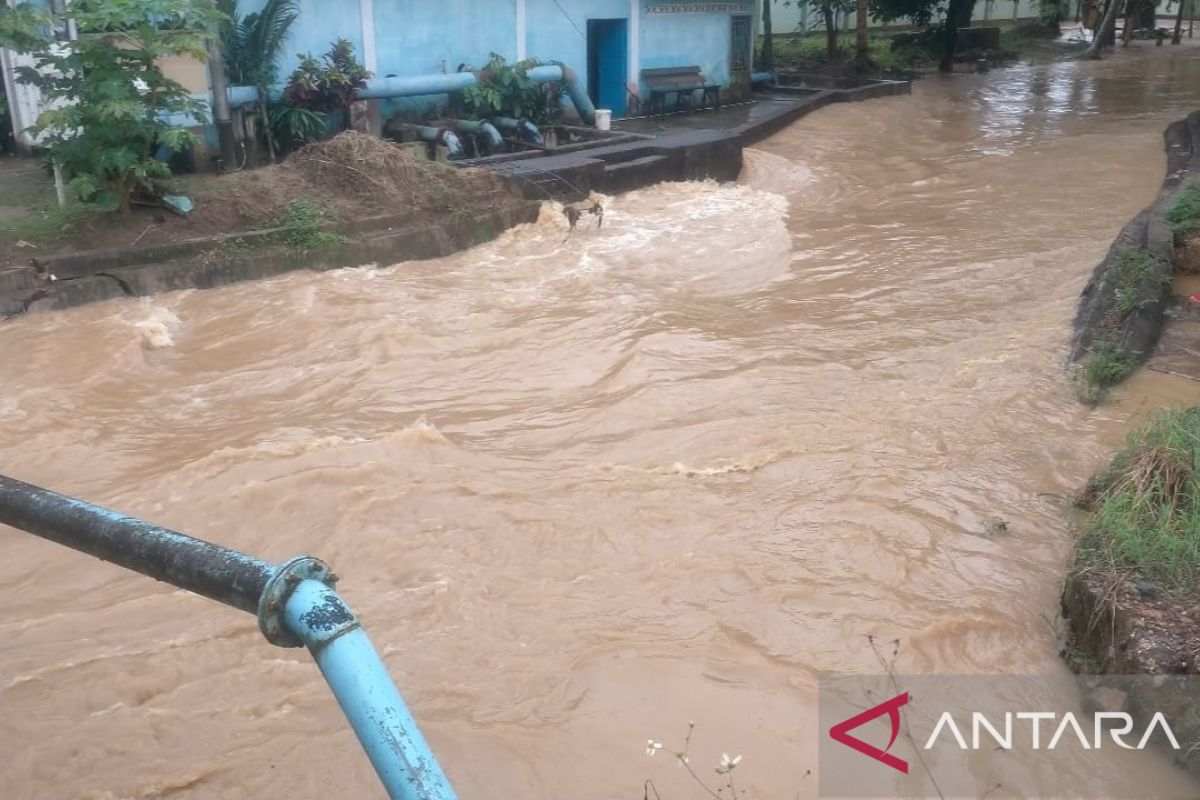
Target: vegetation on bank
{"points": [[1184, 213], [1136, 285], [1145, 517], [1107, 364], [910, 51], [809, 51]]}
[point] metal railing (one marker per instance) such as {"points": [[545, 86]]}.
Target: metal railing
{"points": [[295, 603]]}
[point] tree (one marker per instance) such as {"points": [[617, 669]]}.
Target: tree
{"points": [[862, 38], [251, 46], [768, 48], [107, 100], [1051, 14], [1104, 31], [958, 15], [22, 27]]}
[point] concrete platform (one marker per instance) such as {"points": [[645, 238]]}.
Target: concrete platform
{"points": [[675, 147]]}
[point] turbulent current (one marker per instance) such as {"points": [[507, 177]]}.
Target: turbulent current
{"points": [[586, 489]]}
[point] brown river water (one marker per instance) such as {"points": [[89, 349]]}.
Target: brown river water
{"points": [[585, 490]]}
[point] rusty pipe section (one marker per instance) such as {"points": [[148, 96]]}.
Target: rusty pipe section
{"points": [[206, 569], [295, 603]]}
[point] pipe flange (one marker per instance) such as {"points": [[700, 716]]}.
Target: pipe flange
{"points": [[277, 591]]}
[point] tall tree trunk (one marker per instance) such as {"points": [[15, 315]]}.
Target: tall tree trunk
{"points": [[768, 49], [265, 118], [831, 33], [1106, 27], [958, 15], [1177, 37], [862, 39]]}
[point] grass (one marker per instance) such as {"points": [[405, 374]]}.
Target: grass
{"points": [[46, 223], [1147, 513], [1106, 366], [804, 49], [304, 221], [1184, 213], [1129, 276]]}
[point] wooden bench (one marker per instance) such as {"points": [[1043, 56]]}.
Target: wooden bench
{"points": [[681, 82]]}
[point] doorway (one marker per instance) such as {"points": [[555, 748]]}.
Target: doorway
{"points": [[608, 63]]}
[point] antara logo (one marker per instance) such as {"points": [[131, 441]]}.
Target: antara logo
{"points": [[841, 732], [1002, 735]]}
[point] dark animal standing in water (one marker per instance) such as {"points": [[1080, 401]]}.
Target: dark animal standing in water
{"points": [[573, 214]]}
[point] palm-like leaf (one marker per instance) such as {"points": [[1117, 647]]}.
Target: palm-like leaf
{"points": [[253, 43]]}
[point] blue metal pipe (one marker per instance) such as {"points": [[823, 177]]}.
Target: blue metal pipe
{"points": [[415, 86], [575, 90], [449, 139], [438, 83], [244, 95], [522, 128], [210, 570], [495, 142], [363, 688], [295, 603]]}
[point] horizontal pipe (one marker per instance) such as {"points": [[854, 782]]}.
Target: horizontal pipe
{"points": [[215, 572], [448, 83], [414, 86], [522, 128], [295, 603], [360, 682], [446, 138], [481, 128]]}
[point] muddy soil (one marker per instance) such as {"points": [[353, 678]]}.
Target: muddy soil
{"points": [[349, 177]]}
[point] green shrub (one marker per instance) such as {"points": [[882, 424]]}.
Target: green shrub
{"points": [[1107, 365], [1184, 214], [1131, 291], [108, 100], [303, 222], [1147, 512], [328, 83], [506, 90]]}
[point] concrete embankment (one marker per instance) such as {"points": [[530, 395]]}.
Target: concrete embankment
{"points": [[1125, 305], [64, 280]]}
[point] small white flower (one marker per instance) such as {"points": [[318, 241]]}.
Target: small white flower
{"points": [[652, 747], [727, 764]]}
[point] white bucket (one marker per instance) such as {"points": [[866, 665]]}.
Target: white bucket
{"points": [[603, 119]]}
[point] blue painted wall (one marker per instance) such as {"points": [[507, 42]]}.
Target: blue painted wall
{"points": [[418, 37], [414, 37], [560, 34], [320, 23], [675, 40]]}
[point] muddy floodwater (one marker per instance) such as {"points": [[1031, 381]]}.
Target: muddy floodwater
{"points": [[584, 490]]}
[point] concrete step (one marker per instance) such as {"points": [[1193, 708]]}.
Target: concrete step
{"points": [[635, 164]]}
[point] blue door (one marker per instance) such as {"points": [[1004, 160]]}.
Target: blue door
{"points": [[608, 63]]}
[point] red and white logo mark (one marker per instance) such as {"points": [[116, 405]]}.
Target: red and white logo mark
{"points": [[841, 732]]}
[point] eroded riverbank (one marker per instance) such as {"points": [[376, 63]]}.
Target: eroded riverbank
{"points": [[585, 491]]}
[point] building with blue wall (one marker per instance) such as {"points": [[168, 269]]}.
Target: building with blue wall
{"points": [[607, 42]]}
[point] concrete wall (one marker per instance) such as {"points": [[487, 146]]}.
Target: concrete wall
{"points": [[673, 40], [418, 37]]}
